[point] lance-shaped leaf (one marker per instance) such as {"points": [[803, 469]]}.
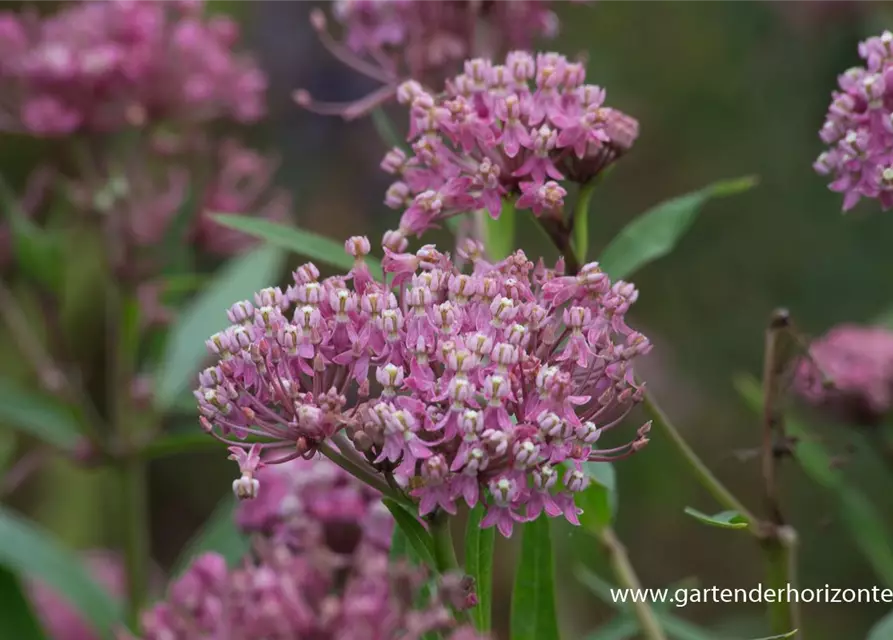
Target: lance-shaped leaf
{"points": [[723, 520], [534, 615], [653, 234], [479, 565]]}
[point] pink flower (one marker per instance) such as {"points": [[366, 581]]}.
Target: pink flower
{"points": [[859, 128], [103, 66], [850, 373], [492, 135], [486, 382]]}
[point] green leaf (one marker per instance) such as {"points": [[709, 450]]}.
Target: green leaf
{"points": [[479, 565], [305, 243], [865, 524], [419, 539], [789, 634], [17, 619], [883, 629], [29, 551], [399, 544], [37, 415], [653, 234], [185, 347], [599, 499], [620, 628], [534, 615], [219, 535], [36, 250], [499, 234], [723, 520]]}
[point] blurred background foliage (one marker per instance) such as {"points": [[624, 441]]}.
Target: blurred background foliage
{"points": [[721, 90]]}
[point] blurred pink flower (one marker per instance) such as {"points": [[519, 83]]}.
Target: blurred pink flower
{"points": [[858, 364], [58, 617], [103, 66]]}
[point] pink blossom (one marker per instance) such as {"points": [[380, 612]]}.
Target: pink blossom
{"points": [[493, 135], [850, 373], [105, 66], [487, 382], [859, 128]]}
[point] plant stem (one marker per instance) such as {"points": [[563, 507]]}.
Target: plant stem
{"points": [[778, 540], [710, 482], [360, 473], [627, 578], [779, 553], [445, 552], [561, 238], [135, 511], [580, 220]]}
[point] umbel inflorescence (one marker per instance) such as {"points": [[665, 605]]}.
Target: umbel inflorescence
{"points": [[859, 128], [320, 568], [489, 387], [514, 130]]}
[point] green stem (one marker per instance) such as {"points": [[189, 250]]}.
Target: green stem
{"points": [[360, 473], [710, 482], [445, 552], [581, 220], [626, 577], [135, 512], [779, 553]]}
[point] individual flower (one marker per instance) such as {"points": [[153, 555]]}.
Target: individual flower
{"points": [[500, 131], [101, 66], [850, 373], [320, 568], [859, 128], [392, 40], [490, 387]]}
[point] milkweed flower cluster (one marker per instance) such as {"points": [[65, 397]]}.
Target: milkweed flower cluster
{"points": [[320, 569], [515, 130], [859, 128], [390, 40], [850, 373], [103, 66], [491, 387]]}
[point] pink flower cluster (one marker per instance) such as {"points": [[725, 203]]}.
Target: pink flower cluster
{"points": [[106, 65], [492, 135], [430, 35], [320, 569], [490, 387], [850, 373], [859, 128]]}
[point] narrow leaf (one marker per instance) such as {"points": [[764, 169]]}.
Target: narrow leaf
{"points": [[29, 551], [789, 634], [499, 234], [305, 243], [37, 251], [17, 619], [599, 499], [219, 535], [185, 347], [883, 629], [479, 565], [723, 520], [865, 524], [416, 536], [37, 415], [533, 614], [399, 544], [653, 234]]}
